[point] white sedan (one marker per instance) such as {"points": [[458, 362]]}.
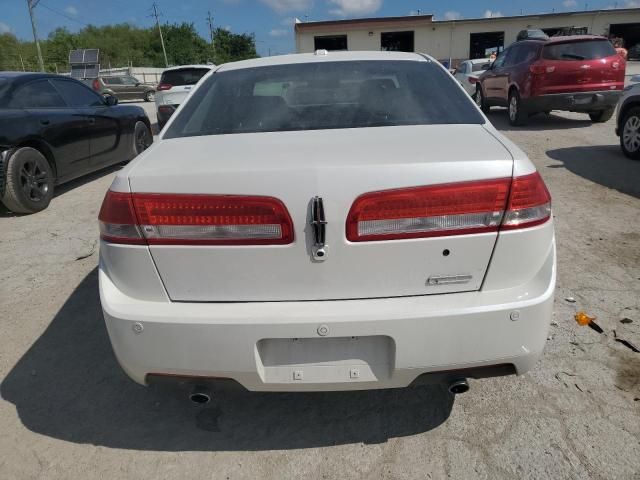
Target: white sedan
{"points": [[468, 72], [312, 223]]}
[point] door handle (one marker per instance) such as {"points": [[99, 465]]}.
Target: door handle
{"points": [[44, 121]]}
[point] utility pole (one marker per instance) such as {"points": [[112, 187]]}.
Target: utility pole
{"points": [[210, 22], [22, 62], [164, 51], [32, 4]]}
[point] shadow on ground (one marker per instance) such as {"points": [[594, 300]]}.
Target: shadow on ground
{"points": [[603, 164], [538, 122], [69, 386]]}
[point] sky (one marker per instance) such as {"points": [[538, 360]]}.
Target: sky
{"points": [[270, 20]]}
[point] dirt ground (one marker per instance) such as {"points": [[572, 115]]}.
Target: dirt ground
{"points": [[67, 410]]}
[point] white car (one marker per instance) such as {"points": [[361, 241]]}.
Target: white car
{"points": [[175, 85], [312, 222], [468, 72], [628, 120]]}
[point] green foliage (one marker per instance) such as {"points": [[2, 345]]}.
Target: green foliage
{"points": [[229, 47], [124, 44]]}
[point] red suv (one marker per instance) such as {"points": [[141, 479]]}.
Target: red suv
{"points": [[581, 73]]}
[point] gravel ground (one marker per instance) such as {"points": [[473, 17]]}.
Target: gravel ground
{"points": [[68, 411]]}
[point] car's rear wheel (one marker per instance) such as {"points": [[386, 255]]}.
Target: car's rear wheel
{"points": [[29, 182], [481, 101], [142, 138], [630, 134], [149, 96], [601, 116], [516, 114]]}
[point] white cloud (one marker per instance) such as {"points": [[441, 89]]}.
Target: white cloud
{"points": [[227, 28], [347, 8], [71, 10], [569, 3], [4, 28], [278, 32], [492, 14], [282, 6], [452, 15]]}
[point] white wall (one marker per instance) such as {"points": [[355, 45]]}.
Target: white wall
{"points": [[451, 39]]}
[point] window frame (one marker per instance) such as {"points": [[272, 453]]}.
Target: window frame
{"points": [[80, 85], [31, 82]]}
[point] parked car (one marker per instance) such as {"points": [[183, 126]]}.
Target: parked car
{"points": [[175, 84], [122, 87], [628, 121], [304, 223], [468, 72], [54, 129], [581, 73]]}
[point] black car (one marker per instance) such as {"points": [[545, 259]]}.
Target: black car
{"points": [[54, 129]]}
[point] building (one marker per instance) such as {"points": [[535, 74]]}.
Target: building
{"points": [[457, 40]]}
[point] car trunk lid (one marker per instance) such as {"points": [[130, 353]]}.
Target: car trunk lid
{"points": [[337, 166]]}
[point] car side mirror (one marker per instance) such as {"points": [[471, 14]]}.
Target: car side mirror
{"points": [[110, 100], [138, 84]]}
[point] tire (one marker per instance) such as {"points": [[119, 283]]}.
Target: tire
{"points": [[601, 116], [29, 182], [481, 102], [630, 134], [142, 138], [517, 116], [149, 96]]}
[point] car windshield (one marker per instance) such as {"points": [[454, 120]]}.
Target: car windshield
{"points": [[480, 67], [325, 95], [583, 50], [184, 76]]}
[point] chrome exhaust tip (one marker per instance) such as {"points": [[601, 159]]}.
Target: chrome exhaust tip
{"points": [[458, 386]]}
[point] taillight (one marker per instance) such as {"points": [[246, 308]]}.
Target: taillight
{"points": [[449, 209], [163, 86], [472, 80], [96, 84], [539, 69], [174, 219], [438, 210], [118, 219], [529, 203]]}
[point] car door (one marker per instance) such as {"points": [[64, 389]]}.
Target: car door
{"points": [[461, 73], [61, 127], [494, 81], [104, 126], [116, 85], [137, 88]]}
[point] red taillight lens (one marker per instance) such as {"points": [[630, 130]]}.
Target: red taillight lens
{"points": [[449, 209], [163, 86], [439, 210], [118, 219], [205, 220], [96, 84], [529, 203]]}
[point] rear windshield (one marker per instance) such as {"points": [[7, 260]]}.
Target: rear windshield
{"points": [[583, 50], [185, 76], [477, 67], [327, 95]]}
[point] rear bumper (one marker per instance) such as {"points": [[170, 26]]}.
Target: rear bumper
{"points": [[573, 102], [331, 345]]}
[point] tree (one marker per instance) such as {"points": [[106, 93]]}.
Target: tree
{"points": [[230, 47]]}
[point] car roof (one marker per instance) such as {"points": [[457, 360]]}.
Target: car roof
{"points": [[322, 57], [22, 77], [182, 67], [563, 39]]}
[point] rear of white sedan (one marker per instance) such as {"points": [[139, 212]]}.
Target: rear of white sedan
{"points": [[336, 221]]}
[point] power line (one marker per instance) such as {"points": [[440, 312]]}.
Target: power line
{"points": [[62, 14]]}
